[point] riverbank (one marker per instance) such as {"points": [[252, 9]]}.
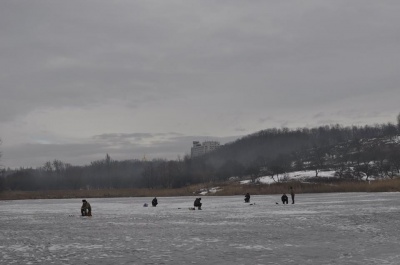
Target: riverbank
{"points": [[212, 189]]}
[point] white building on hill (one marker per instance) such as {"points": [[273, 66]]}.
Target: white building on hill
{"points": [[200, 149]]}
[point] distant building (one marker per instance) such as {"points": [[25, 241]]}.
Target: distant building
{"points": [[201, 149]]}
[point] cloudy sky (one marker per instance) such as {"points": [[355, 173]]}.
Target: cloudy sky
{"points": [[79, 79]]}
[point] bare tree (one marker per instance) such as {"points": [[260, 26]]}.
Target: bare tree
{"points": [[398, 123], [0, 151], [1, 166], [2, 181], [317, 159]]}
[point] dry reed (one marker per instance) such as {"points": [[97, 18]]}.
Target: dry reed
{"points": [[226, 189]]}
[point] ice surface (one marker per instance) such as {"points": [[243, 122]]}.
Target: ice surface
{"points": [[340, 228]]}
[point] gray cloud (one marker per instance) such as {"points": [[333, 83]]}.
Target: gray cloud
{"points": [[73, 69], [118, 146]]}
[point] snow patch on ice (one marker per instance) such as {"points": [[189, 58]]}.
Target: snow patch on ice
{"points": [[294, 212], [20, 248], [57, 247], [250, 247]]}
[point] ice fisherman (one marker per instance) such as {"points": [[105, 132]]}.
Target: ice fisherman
{"points": [[292, 194], [86, 209], [197, 203], [154, 202], [247, 197], [285, 199]]}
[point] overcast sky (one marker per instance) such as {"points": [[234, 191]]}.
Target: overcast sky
{"points": [[80, 79]]}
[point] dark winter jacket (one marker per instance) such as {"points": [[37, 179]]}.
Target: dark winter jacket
{"points": [[197, 202]]}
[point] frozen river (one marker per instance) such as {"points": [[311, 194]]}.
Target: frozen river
{"points": [[340, 228]]}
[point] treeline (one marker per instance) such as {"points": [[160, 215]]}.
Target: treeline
{"points": [[353, 152], [104, 174]]}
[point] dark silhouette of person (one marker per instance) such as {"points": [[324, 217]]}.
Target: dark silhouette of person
{"points": [[86, 209], [285, 199], [247, 197], [292, 194], [154, 202], [197, 203]]}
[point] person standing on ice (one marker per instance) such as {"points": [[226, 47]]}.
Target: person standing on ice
{"points": [[86, 209], [154, 202], [292, 194], [284, 199], [247, 197], [197, 203]]}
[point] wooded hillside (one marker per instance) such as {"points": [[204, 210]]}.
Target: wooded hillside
{"points": [[353, 152]]}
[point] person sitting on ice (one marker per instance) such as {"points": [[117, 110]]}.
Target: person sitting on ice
{"points": [[285, 199], [197, 203], [247, 197], [154, 202], [86, 209]]}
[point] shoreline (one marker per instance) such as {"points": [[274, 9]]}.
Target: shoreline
{"points": [[225, 189]]}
